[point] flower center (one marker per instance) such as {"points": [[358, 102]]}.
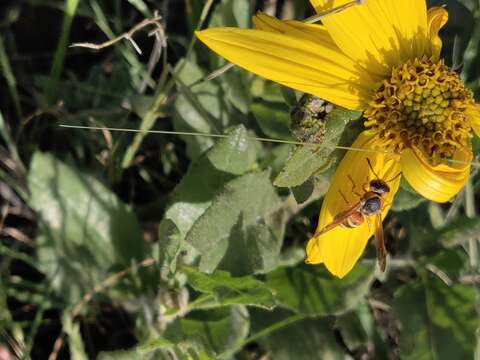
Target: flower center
{"points": [[424, 105]]}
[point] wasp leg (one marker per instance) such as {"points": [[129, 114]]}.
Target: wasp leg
{"points": [[369, 224], [353, 186], [343, 196], [365, 185]]}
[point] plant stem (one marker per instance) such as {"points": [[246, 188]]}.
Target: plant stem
{"points": [[471, 213]]}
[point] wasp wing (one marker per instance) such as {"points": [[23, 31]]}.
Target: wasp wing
{"points": [[339, 218], [380, 242]]}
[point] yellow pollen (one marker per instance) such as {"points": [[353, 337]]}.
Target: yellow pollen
{"points": [[423, 104]]}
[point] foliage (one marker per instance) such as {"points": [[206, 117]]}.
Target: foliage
{"points": [[158, 246]]}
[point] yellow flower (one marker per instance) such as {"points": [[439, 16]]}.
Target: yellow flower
{"points": [[383, 58]]}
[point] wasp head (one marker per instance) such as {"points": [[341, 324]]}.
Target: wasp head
{"points": [[379, 187]]}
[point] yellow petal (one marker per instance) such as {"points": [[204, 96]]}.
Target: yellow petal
{"points": [[314, 32], [437, 183], [340, 248], [437, 17], [473, 113], [293, 59], [379, 33]]}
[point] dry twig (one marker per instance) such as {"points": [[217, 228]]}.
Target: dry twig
{"points": [[155, 21]]}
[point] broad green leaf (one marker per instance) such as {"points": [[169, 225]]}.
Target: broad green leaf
{"points": [[236, 84], [450, 262], [273, 119], [84, 228], [206, 176], [234, 231], [457, 232], [267, 90], [312, 290], [421, 236], [303, 192], [406, 200], [307, 339], [169, 242], [308, 160], [227, 290], [212, 331], [242, 12], [438, 321], [274, 158], [352, 330], [199, 109], [232, 13]]}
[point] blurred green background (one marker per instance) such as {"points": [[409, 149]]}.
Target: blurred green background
{"points": [[117, 245]]}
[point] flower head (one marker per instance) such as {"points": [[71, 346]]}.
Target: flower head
{"points": [[381, 57]]}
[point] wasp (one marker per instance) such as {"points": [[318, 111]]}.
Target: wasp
{"points": [[370, 203]]}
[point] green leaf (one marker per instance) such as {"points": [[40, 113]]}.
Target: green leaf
{"points": [[199, 109], [235, 231], [169, 241], [352, 330], [232, 13], [212, 331], [267, 90], [302, 340], [438, 321], [236, 84], [313, 290], [84, 228], [406, 200], [227, 290], [359, 330], [273, 119], [457, 232], [450, 262], [308, 160], [303, 192], [206, 176]]}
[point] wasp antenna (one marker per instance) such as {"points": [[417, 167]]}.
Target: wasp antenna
{"points": [[316, 18], [393, 178], [371, 168]]}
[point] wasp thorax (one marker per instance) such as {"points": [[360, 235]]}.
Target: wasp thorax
{"points": [[308, 119], [372, 205], [423, 104]]}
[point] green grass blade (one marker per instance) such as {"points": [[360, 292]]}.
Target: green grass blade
{"points": [[161, 95], [59, 57], [10, 78]]}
